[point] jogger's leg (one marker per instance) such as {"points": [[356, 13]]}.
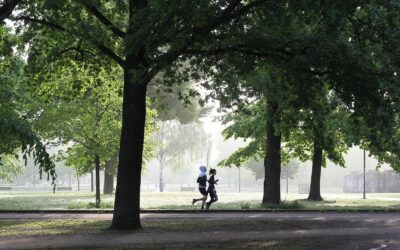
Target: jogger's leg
{"points": [[214, 198], [204, 201]]}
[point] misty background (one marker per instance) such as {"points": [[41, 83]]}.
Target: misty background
{"points": [[182, 175]]}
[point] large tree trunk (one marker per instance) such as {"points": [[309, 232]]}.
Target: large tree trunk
{"points": [[97, 163], [315, 187], [272, 162], [127, 197], [108, 178]]}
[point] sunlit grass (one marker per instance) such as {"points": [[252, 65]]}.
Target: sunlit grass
{"points": [[183, 200]]}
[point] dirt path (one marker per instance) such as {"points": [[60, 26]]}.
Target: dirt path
{"points": [[330, 230]]}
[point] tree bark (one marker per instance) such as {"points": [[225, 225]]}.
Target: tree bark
{"points": [[79, 188], [272, 161], [127, 197], [97, 163], [108, 178], [315, 187]]}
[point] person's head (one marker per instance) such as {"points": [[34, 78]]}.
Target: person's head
{"points": [[213, 171], [203, 169]]}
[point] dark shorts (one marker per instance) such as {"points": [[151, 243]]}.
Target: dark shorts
{"points": [[213, 194], [203, 191]]}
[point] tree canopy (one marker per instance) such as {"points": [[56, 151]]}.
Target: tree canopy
{"points": [[265, 56]]}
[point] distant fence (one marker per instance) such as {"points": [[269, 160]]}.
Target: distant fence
{"points": [[375, 182]]}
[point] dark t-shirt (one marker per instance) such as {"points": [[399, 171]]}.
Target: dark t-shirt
{"points": [[202, 181], [211, 183]]}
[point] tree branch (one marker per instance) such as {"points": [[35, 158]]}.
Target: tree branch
{"points": [[234, 50], [7, 8], [101, 47], [40, 21], [77, 50], [230, 12], [226, 15], [104, 20], [108, 52]]}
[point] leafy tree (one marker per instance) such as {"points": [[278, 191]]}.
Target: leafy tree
{"points": [[133, 35], [90, 120], [15, 128], [177, 115], [349, 68], [179, 143], [10, 167], [289, 170], [173, 103]]}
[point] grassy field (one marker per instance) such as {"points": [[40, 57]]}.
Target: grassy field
{"points": [[182, 200]]}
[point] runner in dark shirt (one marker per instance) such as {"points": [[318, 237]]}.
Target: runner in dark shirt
{"points": [[211, 188], [202, 180]]}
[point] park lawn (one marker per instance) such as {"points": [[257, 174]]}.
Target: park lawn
{"points": [[24, 228], [31, 227], [182, 201], [46, 227]]}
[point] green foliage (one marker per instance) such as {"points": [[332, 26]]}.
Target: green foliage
{"points": [[322, 72], [289, 170], [177, 103], [15, 129], [10, 167], [87, 117]]}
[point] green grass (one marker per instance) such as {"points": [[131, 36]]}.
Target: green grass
{"points": [[51, 227], [182, 201], [30, 227]]}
